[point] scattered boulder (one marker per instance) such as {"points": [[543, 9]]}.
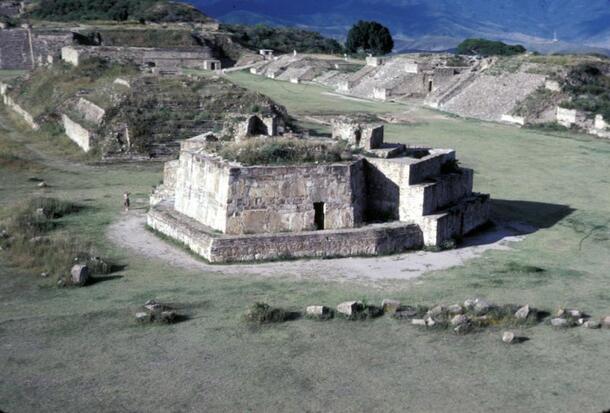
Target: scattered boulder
{"points": [[168, 317], [418, 322], [390, 306], [591, 324], [455, 309], [430, 322], [559, 322], [61, 283], [605, 322], [571, 312], [143, 317], [317, 311], [470, 303], [508, 337], [152, 305], [349, 308], [481, 306], [42, 184], [459, 320], [80, 274], [437, 311], [523, 312], [406, 312], [462, 328]]}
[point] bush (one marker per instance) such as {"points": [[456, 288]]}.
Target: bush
{"points": [[281, 151], [486, 47], [117, 10], [589, 85], [369, 37], [262, 313]]}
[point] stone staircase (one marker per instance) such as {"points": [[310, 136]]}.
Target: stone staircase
{"points": [[15, 53]]}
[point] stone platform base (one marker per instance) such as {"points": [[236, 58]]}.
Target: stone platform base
{"points": [[369, 240]]}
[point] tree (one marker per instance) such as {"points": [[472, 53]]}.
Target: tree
{"points": [[369, 37]]}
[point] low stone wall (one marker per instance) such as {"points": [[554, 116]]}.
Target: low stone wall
{"points": [[370, 240], [569, 117], [90, 111], [81, 136], [515, 120], [25, 115]]}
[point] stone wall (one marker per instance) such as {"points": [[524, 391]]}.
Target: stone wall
{"points": [[372, 240], [78, 134], [15, 52], [202, 189], [90, 111], [281, 198], [570, 117], [24, 114], [160, 58], [360, 134], [515, 120]]}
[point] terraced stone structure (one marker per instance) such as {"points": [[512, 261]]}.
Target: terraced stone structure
{"points": [[389, 199]]}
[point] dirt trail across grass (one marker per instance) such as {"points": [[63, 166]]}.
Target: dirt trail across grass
{"points": [[130, 232]]}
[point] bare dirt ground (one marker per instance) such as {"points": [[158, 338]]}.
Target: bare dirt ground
{"points": [[130, 232]]}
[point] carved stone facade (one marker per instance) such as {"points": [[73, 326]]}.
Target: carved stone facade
{"points": [[369, 205]]}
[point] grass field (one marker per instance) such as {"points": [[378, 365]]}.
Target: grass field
{"points": [[76, 350]]}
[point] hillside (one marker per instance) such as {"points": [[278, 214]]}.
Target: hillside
{"points": [[437, 25]]}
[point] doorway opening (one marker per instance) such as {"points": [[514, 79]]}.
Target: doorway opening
{"points": [[319, 215]]}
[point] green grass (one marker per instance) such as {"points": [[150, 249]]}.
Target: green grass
{"points": [[58, 342]]}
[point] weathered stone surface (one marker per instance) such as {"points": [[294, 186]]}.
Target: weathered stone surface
{"points": [[455, 309], [418, 322], [317, 310], [559, 322], [508, 337], [80, 274], [459, 320], [482, 306], [143, 317], [591, 324], [523, 312], [605, 322], [390, 306], [350, 307], [437, 311]]}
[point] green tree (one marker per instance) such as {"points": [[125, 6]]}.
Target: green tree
{"points": [[369, 37]]}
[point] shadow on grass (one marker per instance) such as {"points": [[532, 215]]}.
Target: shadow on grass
{"points": [[517, 218]]}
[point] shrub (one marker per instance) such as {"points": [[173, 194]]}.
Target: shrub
{"points": [[263, 313], [281, 151]]}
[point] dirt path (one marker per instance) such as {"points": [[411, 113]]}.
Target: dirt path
{"points": [[130, 232]]}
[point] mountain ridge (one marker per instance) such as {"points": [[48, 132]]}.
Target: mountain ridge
{"points": [[436, 24]]}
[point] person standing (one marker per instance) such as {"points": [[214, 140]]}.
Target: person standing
{"points": [[126, 202]]}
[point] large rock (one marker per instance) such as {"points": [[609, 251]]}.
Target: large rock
{"points": [[350, 307], [455, 309], [459, 320], [591, 324], [482, 306], [317, 310], [418, 322], [559, 322], [437, 311], [508, 337], [523, 312], [605, 322], [80, 274], [390, 306]]}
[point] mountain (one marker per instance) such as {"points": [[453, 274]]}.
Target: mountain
{"points": [[436, 24]]}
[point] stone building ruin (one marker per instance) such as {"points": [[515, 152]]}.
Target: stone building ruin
{"points": [[380, 201]]}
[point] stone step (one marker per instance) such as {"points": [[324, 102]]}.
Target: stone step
{"points": [[436, 194], [466, 216]]}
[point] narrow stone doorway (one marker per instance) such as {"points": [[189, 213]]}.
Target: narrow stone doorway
{"points": [[319, 215]]}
